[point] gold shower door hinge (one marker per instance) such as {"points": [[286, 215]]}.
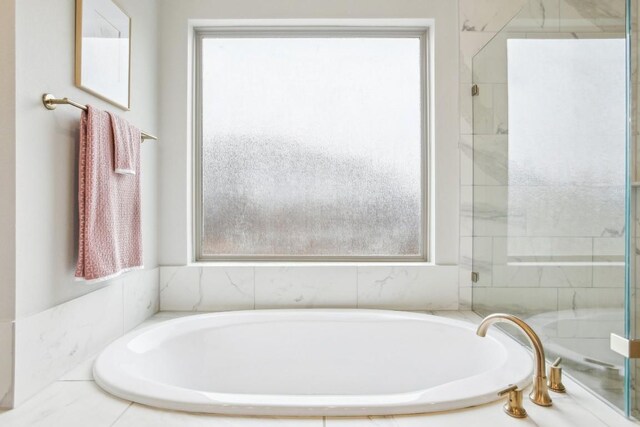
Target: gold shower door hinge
{"points": [[626, 347], [475, 277], [475, 90]]}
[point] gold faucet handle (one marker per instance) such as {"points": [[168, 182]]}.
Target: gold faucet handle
{"points": [[555, 377], [514, 406]]}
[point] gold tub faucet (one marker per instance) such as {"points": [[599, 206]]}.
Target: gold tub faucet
{"points": [[540, 393]]}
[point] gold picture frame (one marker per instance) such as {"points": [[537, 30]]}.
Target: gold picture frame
{"points": [[103, 51]]}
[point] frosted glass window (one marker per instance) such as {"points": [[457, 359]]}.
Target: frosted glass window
{"points": [[312, 147]]}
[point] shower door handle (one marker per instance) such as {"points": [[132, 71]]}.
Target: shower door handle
{"points": [[626, 347]]}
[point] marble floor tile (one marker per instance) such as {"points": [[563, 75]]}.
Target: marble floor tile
{"points": [[564, 413], [82, 372], [66, 404], [143, 416]]}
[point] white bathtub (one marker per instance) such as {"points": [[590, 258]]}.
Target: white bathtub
{"points": [[312, 363]]}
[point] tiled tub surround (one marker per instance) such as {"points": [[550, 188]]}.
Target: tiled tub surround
{"points": [[245, 287], [75, 400], [50, 343]]}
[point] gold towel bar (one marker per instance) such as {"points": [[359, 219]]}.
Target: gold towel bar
{"points": [[50, 102]]}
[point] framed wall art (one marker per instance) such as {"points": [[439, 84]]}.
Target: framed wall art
{"points": [[103, 51]]}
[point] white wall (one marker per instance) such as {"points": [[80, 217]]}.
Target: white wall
{"points": [[176, 18], [48, 323], [46, 144]]}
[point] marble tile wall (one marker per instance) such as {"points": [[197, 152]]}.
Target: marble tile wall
{"points": [[220, 288], [488, 230], [52, 342]]}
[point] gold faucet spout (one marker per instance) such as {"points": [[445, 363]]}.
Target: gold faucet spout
{"points": [[540, 394]]}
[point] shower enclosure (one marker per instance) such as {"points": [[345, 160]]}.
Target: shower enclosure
{"points": [[554, 182]]}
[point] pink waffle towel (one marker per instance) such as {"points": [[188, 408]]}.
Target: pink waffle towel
{"points": [[126, 141], [110, 234]]}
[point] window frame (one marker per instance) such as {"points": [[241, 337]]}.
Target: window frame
{"points": [[420, 32]]}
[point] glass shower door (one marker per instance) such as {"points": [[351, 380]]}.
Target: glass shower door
{"points": [[549, 156], [633, 208]]}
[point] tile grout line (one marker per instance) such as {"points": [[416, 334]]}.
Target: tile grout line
{"points": [[121, 414]]}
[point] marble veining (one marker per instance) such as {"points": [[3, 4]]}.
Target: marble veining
{"points": [[487, 15], [412, 288], [597, 9], [490, 160], [52, 342], [575, 299], [141, 296], [214, 288], [470, 43], [306, 286], [207, 288], [537, 15]]}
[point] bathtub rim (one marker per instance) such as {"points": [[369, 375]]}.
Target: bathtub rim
{"points": [[182, 399]]}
